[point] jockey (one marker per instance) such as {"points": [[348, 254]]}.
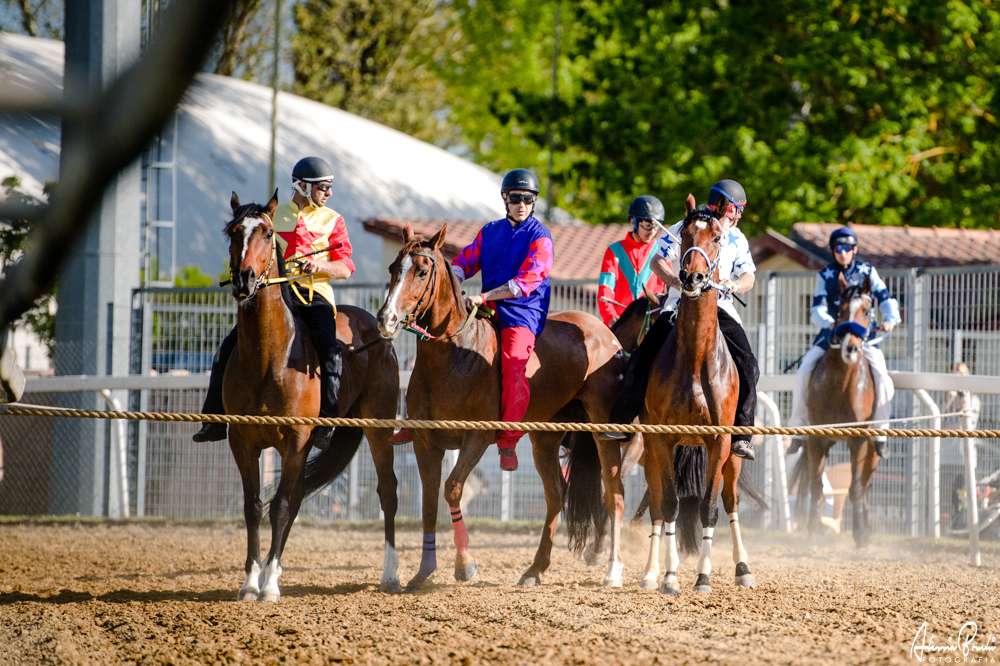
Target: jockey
{"points": [[625, 269], [515, 256], [303, 226], [826, 300], [726, 200]]}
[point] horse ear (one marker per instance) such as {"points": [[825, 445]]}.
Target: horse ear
{"points": [[689, 203], [842, 281], [654, 299], [866, 286], [438, 240], [235, 202], [407, 232], [272, 205]]}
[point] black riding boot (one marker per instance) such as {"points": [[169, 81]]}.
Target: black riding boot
{"points": [[749, 372], [321, 321], [632, 396], [216, 432]]}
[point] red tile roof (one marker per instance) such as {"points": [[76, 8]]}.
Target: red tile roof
{"points": [[579, 248], [884, 246]]}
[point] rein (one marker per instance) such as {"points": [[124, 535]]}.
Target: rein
{"points": [[409, 322]]}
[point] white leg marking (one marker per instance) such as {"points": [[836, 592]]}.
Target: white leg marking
{"points": [[390, 565], [615, 563], [705, 561], [739, 553], [670, 585], [250, 588], [648, 581], [269, 590]]}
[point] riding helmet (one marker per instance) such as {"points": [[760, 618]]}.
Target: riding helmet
{"points": [[312, 170], [519, 179], [645, 207], [729, 190], [844, 236]]}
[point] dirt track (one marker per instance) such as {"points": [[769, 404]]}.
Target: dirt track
{"points": [[153, 593]]}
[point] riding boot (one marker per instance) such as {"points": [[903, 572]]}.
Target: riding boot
{"points": [[321, 321], [749, 372], [632, 395], [216, 432]]}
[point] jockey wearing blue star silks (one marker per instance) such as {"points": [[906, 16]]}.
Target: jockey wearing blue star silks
{"points": [[726, 201], [315, 236], [826, 300]]}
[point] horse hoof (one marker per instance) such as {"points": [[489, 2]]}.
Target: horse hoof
{"points": [[529, 580], [743, 576], [648, 583], [269, 596], [702, 584], [466, 573], [391, 586], [670, 584], [247, 595], [416, 584], [612, 582]]}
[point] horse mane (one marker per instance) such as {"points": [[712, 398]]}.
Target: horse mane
{"points": [[702, 212], [417, 242], [242, 213], [850, 293]]}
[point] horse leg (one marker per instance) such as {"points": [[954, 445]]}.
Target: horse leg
{"points": [[863, 462], [731, 502], [718, 452], [610, 453], [816, 449], [671, 511], [283, 509], [429, 465], [472, 450], [654, 483], [382, 454], [248, 463], [545, 448]]}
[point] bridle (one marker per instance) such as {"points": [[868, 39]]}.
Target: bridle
{"points": [[264, 281], [409, 322], [853, 328]]}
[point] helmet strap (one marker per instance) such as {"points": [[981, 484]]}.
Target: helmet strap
{"points": [[303, 188], [506, 207]]}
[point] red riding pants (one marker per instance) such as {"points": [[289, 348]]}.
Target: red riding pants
{"points": [[516, 345]]}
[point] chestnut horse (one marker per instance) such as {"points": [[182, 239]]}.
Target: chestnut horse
{"points": [[694, 382], [274, 371], [841, 390], [576, 366]]}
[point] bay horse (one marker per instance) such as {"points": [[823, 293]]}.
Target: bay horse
{"points": [[694, 382], [841, 390], [575, 369], [274, 371]]}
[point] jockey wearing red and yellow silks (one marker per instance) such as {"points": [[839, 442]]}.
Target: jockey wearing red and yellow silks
{"points": [[306, 230], [626, 269]]}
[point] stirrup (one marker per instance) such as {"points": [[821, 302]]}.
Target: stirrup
{"points": [[508, 459], [742, 449], [613, 435]]}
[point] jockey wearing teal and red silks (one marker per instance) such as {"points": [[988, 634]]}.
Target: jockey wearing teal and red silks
{"points": [[826, 300], [515, 256]]}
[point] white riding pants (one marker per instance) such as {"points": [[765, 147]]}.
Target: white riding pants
{"points": [[880, 376]]}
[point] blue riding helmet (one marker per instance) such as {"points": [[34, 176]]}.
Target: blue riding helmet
{"points": [[729, 190], [843, 236]]}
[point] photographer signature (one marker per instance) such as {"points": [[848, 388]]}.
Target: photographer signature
{"points": [[923, 643]]}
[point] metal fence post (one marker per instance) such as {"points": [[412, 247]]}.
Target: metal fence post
{"points": [[505, 496], [972, 497], [934, 466]]}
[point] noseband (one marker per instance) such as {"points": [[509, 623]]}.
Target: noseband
{"points": [[712, 266], [851, 327], [421, 307]]}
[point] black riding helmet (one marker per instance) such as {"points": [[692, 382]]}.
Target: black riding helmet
{"points": [[730, 191], [312, 170], [519, 179], [843, 236], [645, 207]]}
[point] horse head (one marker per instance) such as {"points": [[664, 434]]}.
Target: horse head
{"points": [[251, 245], [413, 280], [853, 318], [701, 243]]}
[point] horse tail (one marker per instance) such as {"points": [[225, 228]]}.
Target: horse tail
{"points": [[750, 490], [585, 511], [690, 469], [799, 480], [329, 464]]}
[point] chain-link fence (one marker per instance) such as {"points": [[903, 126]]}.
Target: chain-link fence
{"points": [[948, 316]]}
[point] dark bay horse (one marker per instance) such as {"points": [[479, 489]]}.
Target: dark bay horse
{"points": [[694, 382], [576, 368], [841, 390], [274, 371]]}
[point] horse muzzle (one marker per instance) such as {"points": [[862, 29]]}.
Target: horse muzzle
{"points": [[693, 283], [388, 324], [244, 284]]}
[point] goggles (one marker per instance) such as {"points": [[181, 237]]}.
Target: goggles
{"points": [[838, 249], [644, 223], [323, 187], [518, 197]]}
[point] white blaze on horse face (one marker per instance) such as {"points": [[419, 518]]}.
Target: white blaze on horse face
{"points": [[249, 224], [701, 224], [390, 303]]}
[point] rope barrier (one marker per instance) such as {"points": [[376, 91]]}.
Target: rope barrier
{"points": [[18, 409]]}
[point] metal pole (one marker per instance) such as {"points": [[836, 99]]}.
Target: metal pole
{"points": [[555, 85], [972, 498], [118, 501], [274, 99], [934, 465]]}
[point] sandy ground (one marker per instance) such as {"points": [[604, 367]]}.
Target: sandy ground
{"points": [[147, 593]]}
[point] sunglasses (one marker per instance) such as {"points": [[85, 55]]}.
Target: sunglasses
{"points": [[842, 248], [323, 187], [517, 197]]}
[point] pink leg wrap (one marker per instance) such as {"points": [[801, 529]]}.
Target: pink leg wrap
{"points": [[461, 534]]}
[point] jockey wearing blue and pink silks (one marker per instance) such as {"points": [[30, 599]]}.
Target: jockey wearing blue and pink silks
{"points": [[515, 257]]}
